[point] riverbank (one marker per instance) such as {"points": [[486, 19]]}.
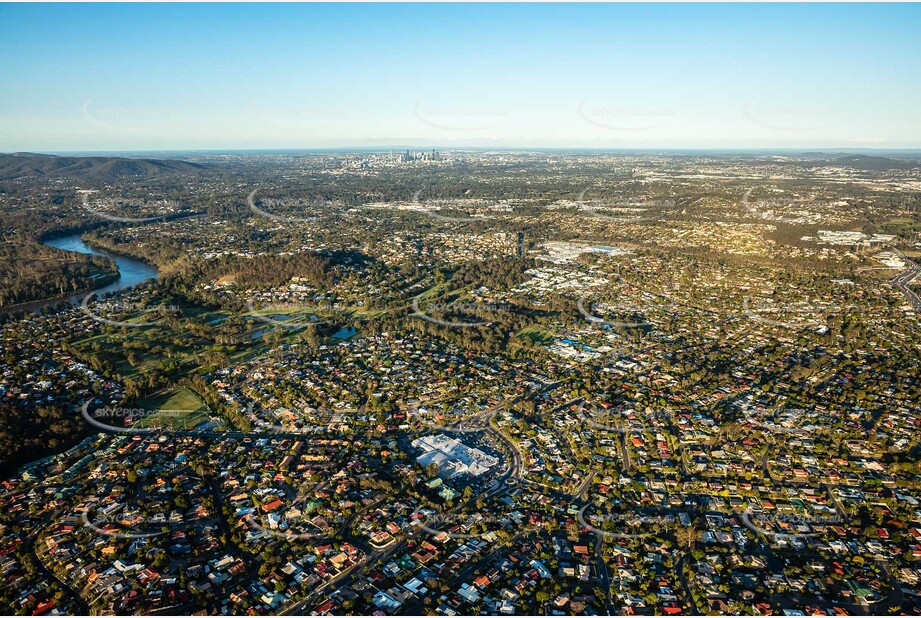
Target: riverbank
{"points": [[130, 272], [55, 300]]}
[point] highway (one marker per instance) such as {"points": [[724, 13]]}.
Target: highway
{"points": [[904, 279]]}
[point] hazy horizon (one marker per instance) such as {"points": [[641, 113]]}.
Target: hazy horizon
{"points": [[136, 78], [396, 150]]}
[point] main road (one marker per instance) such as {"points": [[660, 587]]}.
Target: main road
{"points": [[904, 279]]}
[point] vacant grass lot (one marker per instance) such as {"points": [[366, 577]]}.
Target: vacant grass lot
{"points": [[178, 408]]}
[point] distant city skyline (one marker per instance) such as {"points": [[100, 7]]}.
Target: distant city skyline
{"points": [[518, 76]]}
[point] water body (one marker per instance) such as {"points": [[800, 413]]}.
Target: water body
{"points": [[131, 272], [345, 333]]}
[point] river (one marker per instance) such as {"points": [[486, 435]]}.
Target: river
{"points": [[131, 272]]}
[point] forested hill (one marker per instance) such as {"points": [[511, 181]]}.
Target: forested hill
{"points": [[25, 164]]}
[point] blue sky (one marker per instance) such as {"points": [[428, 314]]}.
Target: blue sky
{"points": [[212, 76]]}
